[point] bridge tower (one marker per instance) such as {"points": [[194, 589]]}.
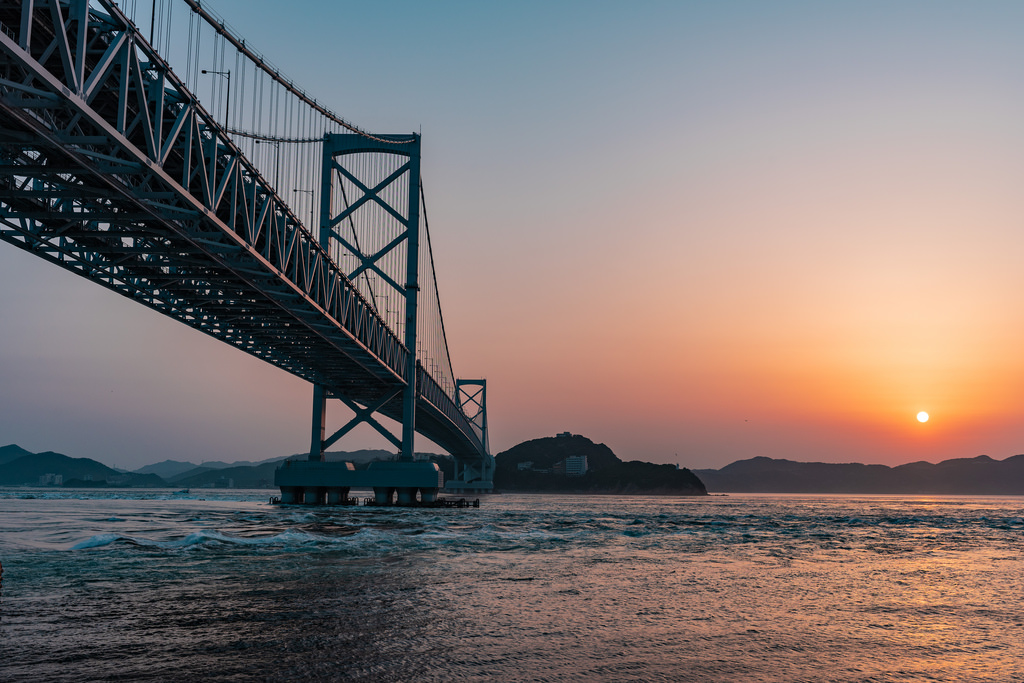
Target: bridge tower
{"points": [[393, 189], [474, 474], [337, 148]]}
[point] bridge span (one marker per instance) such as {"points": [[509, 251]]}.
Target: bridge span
{"points": [[218, 193]]}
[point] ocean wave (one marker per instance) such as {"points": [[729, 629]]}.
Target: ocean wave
{"points": [[97, 541], [376, 532], [287, 538]]}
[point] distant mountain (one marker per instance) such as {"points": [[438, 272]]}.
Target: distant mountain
{"points": [[606, 473], [166, 469], [220, 464], [19, 467], [962, 476], [262, 475], [178, 471], [27, 469], [12, 452], [189, 473], [364, 455], [242, 477]]}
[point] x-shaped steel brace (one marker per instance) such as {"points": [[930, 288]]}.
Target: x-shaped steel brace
{"points": [[370, 262], [365, 415]]}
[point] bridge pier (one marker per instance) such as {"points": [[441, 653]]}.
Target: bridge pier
{"points": [[329, 483], [337, 496], [315, 495]]}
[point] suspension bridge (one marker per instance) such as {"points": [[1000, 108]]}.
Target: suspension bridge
{"points": [[145, 147]]}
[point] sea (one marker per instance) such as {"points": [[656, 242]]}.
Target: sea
{"points": [[139, 585]]}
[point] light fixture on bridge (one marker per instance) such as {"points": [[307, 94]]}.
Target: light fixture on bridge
{"points": [[227, 100]]}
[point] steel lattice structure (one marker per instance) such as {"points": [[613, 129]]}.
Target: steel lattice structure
{"points": [[110, 168]]}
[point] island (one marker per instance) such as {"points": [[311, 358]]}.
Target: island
{"points": [[571, 463]]}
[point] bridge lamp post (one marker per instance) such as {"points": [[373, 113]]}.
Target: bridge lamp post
{"points": [[227, 103]]}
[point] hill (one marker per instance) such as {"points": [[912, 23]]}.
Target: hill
{"points": [[606, 473], [178, 470], [12, 452], [19, 467], [242, 477], [166, 469], [27, 469], [961, 476], [262, 475]]}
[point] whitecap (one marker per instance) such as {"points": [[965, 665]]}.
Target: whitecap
{"points": [[97, 541]]}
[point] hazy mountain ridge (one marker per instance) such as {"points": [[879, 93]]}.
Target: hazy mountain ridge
{"points": [[20, 467], [166, 469], [174, 470], [249, 474], [980, 475], [27, 469], [242, 477], [12, 452]]}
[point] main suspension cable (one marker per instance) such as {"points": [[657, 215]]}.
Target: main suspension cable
{"points": [[239, 44]]}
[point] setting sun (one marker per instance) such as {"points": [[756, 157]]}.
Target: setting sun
{"points": [[922, 416]]}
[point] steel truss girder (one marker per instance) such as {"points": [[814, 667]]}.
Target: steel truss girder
{"points": [[110, 168]]}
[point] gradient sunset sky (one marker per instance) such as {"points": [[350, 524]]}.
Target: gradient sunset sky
{"points": [[696, 232]]}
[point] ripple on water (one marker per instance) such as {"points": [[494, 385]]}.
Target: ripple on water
{"points": [[524, 588]]}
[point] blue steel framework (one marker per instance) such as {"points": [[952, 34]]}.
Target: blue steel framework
{"points": [[472, 397], [110, 168]]}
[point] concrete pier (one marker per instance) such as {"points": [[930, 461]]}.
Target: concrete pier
{"points": [[328, 483]]}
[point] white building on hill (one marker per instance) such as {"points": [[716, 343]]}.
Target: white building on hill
{"points": [[575, 465]]}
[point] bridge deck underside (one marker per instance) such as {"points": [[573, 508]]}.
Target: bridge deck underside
{"points": [[175, 267], [83, 187]]}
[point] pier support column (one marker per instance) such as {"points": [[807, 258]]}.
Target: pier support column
{"points": [[428, 495], [406, 495], [382, 495]]}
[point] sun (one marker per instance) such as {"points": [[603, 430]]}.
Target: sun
{"points": [[922, 416]]}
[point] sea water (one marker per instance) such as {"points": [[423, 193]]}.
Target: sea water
{"points": [[135, 585]]}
